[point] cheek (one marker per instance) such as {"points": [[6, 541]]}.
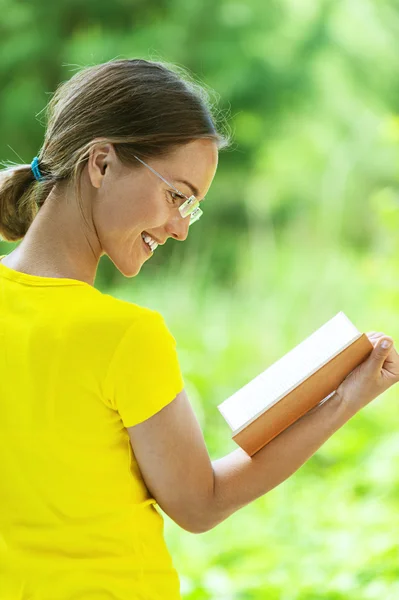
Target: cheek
{"points": [[129, 210], [126, 205], [148, 212], [109, 218]]}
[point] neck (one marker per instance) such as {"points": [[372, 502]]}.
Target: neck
{"points": [[59, 243]]}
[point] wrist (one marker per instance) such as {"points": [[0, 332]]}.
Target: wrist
{"points": [[345, 409]]}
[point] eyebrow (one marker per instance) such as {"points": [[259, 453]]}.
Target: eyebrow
{"points": [[190, 185]]}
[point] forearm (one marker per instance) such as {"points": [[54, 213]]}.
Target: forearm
{"points": [[239, 479]]}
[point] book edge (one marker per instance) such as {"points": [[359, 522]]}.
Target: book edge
{"points": [[296, 346], [262, 430], [259, 413]]}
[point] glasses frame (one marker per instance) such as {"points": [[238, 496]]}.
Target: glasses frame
{"points": [[189, 207]]}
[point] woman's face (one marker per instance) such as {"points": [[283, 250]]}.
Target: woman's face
{"points": [[127, 202]]}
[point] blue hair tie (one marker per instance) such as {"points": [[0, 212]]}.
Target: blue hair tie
{"points": [[35, 168]]}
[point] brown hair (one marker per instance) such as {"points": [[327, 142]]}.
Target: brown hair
{"points": [[142, 107]]}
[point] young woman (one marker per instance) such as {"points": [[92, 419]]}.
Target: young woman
{"points": [[95, 424]]}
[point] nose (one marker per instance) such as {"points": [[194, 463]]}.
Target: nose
{"points": [[178, 227]]}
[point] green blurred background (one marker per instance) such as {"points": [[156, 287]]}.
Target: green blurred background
{"points": [[301, 222]]}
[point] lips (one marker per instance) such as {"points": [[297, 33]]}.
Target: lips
{"points": [[154, 239], [146, 246], [149, 240]]}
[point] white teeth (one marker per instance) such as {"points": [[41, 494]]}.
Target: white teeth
{"points": [[148, 240]]}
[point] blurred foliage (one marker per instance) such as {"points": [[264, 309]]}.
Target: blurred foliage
{"points": [[300, 222]]}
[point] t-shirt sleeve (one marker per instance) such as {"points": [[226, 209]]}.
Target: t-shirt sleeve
{"points": [[144, 374]]}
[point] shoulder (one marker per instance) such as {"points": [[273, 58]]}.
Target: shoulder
{"points": [[101, 320], [105, 308], [134, 317]]}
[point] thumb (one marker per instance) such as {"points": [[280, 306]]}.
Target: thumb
{"points": [[380, 352]]}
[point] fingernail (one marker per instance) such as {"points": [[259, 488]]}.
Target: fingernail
{"points": [[385, 344]]}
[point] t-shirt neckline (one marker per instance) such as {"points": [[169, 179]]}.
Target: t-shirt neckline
{"points": [[29, 279]]}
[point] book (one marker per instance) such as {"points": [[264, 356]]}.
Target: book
{"points": [[304, 377]]}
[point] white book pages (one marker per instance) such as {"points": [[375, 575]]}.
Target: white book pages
{"points": [[289, 372]]}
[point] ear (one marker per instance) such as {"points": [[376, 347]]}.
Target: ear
{"points": [[101, 157]]}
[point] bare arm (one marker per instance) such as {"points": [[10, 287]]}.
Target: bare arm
{"points": [[198, 494], [240, 479]]}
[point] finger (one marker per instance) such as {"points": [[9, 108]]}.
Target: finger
{"points": [[375, 334], [374, 340], [392, 358], [380, 352]]}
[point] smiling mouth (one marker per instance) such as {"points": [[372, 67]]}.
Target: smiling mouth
{"points": [[149, 243], [146, 246]]}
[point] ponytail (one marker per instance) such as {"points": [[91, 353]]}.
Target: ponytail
{"points": [[20, 194]]}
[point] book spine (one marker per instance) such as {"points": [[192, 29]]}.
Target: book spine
{"points": [[303, 398]]}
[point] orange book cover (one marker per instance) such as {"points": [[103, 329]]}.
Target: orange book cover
{"points": [[295, 384]]}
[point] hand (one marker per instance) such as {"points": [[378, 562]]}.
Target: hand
{"points": [[373, 376]]}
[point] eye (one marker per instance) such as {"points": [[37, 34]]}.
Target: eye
{"points": [[173, 197]]}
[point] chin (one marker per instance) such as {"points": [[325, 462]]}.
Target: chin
{"points": [[128, 269], [131, 272]]}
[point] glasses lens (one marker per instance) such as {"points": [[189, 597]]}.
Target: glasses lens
{"points": [[191, 207], [195, 215], [188, 206]]}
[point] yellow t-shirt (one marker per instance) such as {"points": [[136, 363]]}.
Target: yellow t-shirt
{"points": [[78, 366]]}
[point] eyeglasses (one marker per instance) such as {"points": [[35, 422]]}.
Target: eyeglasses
{"points": [[189, 207]]}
